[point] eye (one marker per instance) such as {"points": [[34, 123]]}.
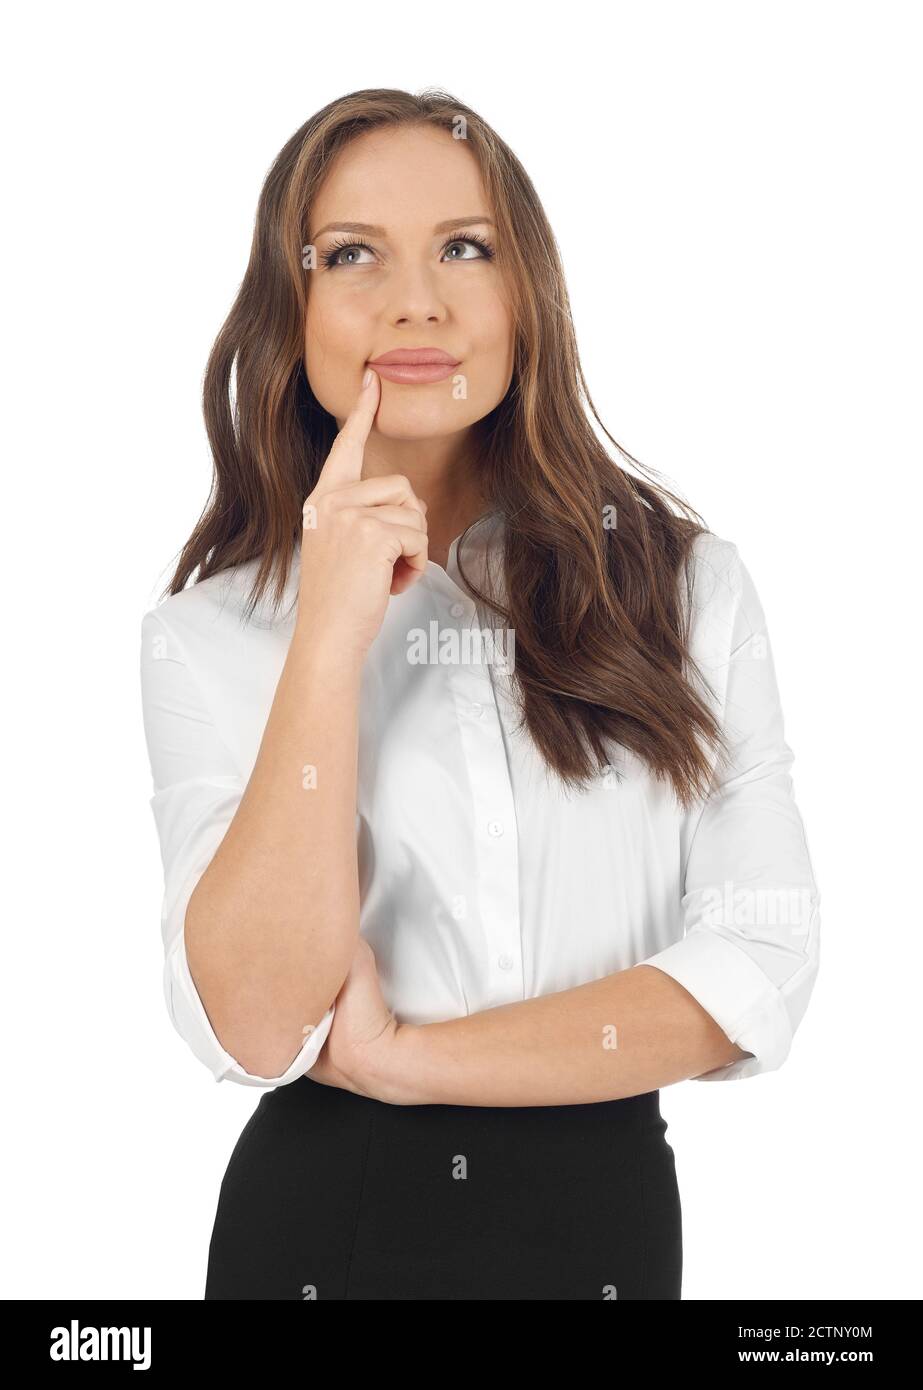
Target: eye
{"points": [[482, 248], [346, 251], [332, 258]]}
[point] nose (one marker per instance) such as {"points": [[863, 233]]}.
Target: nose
{"points": [[414, 296]]}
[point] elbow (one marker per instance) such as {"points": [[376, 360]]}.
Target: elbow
{"points": [[268, 1059], [754, 980], [264, 1036], [764, 1036]]}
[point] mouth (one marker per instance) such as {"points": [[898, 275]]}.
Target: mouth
{"points": [[414, 366]]}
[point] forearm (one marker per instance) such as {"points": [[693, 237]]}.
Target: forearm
{"points": [[623, 1035], [272, 925]]}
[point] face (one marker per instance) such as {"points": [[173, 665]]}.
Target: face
{"points": [[417, 275]]}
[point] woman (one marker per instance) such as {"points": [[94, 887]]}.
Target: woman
{"points": [[469, 768]]}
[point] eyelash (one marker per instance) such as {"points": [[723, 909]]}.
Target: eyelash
{"points": [[329, 258]]}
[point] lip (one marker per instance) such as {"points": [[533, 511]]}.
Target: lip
{"points": [[414, 366], [414, 357], [416, 375]]}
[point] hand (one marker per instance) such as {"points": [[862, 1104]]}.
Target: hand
{"points": [[363, 539], [360, 1053]]}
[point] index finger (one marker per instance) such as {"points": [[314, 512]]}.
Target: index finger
{"points": [[344, 462]]}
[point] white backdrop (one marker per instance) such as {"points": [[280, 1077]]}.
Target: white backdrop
{"points": [[736, 191]]}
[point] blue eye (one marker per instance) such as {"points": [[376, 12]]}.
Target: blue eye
{"points": [[485, 252], [331, 259]]}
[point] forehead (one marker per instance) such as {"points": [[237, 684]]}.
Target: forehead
{"points": [[401, 177]]}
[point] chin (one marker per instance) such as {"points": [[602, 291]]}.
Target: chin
{"points": [[421, 419]]}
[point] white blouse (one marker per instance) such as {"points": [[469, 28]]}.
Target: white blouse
{"points": [[483, 880]]}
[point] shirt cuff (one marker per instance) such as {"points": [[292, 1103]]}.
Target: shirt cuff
{"points": [[192, 1023], [734, 991]]}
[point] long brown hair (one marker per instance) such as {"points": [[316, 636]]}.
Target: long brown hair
{"points": [[601, 632]]}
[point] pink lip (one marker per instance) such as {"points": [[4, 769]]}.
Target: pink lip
{"points": [[420, 374], [414, 357]]}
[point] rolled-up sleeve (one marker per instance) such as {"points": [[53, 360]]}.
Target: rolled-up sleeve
{"points": [[197, 789], [750, 904]]}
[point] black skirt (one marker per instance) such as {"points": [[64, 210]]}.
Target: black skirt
{"points": [[331, 1195]]}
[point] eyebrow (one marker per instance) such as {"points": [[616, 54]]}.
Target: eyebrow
{"points": [[367, 229]]}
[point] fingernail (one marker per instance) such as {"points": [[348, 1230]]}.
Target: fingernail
{"points": [[367, 379]]}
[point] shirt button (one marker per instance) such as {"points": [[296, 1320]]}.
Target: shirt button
{"points": [[477, 711], [457, 610], [495, 827], [505, 962]]}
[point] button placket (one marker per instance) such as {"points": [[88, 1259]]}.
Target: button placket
{"points": [[495, 838]]}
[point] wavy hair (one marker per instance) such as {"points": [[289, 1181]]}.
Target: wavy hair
{"points": [[601, 628]]}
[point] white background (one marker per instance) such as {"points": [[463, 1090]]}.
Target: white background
{"points": [[735, 188]]}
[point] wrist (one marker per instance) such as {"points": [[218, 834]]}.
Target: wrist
{"points": [[325, 652], [402, 1071]]}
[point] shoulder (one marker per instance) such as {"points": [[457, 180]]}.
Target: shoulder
{"points": [[215, 609], [727, 613], [206, 658], [713, 570], [715, 590], [191, 617]]}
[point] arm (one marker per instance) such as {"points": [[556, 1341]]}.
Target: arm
{"points": [[198, 793], [272, 924], [261, 905], [623, 1035], [722, 1002]]}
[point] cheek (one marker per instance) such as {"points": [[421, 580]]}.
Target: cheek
{"points": [[490, 320], [331, 324], [335, 330], [491, 340]]}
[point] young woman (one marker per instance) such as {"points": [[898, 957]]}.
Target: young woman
{"points": [[469, 770]]}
